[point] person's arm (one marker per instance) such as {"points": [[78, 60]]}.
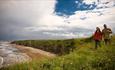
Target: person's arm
{"points": [[101, 35], [102, 32], [109, 30]]}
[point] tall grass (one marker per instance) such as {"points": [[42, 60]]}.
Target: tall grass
{"points": [[84, 57]]}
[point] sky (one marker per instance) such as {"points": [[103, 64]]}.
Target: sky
{"points": [[54, 19]]}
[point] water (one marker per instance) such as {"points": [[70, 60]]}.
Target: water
{"points": [[10, 55]]}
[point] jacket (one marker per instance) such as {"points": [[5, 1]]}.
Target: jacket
{"points": [[97, 35]]}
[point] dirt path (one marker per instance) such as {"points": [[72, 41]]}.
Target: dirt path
{"points": [[34, 53]]}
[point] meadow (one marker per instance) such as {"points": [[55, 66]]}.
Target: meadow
{"points": [[73, 54]]}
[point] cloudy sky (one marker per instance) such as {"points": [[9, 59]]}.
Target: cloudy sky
{"points": [[54, 19]]}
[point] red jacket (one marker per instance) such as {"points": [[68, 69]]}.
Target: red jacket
{"points": [[97, 36]]}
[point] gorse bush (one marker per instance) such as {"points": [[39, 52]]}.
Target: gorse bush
{"points": [[84, 57]]}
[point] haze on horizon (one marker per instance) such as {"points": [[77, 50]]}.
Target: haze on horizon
{"points": [[54, 19]]}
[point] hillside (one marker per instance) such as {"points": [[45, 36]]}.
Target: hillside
{"points": [[81, 56]]}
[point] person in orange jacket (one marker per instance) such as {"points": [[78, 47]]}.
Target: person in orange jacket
{"points": [[97, 37]]}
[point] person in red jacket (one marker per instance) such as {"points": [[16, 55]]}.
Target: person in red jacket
{"points": [[97, 37]]}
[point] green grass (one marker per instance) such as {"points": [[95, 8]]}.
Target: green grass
{"points": [[83, 57]]}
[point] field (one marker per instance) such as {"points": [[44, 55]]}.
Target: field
{"points": [[73, 54]]}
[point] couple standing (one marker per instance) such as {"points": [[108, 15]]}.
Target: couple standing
{"points": [[105, 34]]}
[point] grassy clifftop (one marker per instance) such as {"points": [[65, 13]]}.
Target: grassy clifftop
{"points": [[83, 57], [58, 47]]}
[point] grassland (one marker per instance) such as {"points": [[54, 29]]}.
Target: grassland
{"points": [[80, 55]]}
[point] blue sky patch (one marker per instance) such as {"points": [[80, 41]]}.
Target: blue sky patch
{"points": [[69, 7]]}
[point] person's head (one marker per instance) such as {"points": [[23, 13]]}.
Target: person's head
{"points": [[105, 26], [97, 28]]}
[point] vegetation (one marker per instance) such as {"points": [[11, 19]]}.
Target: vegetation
{"points": [[83, 57], [55, 46]]}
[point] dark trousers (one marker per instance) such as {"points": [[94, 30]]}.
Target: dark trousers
{"points": [[97, 43], [107, 41]]}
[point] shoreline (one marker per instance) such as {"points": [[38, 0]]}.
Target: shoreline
{"points": [[34, 53]]}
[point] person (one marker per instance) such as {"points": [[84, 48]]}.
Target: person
{"points": [[97, 37], [106, 34]]}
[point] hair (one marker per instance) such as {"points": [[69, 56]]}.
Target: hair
{"points": [[105, 25], [98, 29]]}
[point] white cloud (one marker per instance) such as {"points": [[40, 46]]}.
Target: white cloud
{"points": [[44, 28], [89, 1], [42, 20], [91, 19], [30, 10]]}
